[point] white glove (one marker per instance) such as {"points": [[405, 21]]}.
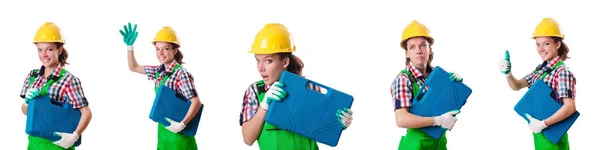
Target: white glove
{"points": [[175, 126], [275, 93], [130, 48], [446, 120], [535, 125], [345, 117], [67, 139]]}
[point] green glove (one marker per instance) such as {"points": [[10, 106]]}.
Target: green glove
{"points": [[31, 94], [455, 77], [344, 117], [129, 34], [505, 64], [275, 93]]}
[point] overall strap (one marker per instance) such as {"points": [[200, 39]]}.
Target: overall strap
{"points": [[260, 86], [547, 71], [51, 80], [413, 81], [162, 81]]}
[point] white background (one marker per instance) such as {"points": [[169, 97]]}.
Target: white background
{"points": [[351, 46]]}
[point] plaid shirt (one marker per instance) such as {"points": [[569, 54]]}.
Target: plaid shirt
{"points": [[402, 90], [66, 90], [181, 81], [561, 80], [250, 102]]}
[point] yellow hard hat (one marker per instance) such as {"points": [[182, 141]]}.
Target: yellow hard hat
{"points": [[166, 34], [48, 32], [415, 29], [273, 38], [548, 27]]}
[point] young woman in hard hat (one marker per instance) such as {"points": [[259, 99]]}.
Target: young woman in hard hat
{"points": [[272, 48], [170, 74], [417, 42], [553, 51], [53, 80]]}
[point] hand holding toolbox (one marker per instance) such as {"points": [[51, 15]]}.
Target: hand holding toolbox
{"points": [[442, 95], [308, 112], [169, 104], [46, 116], [539, 103]]}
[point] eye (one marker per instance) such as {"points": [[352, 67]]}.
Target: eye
{"points": [[423, 46], [268, 61], [50, 49], [167, 48], [546, 44], [411, 47]]}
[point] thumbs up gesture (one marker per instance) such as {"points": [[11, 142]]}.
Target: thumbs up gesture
{"points": [[505, 64]]}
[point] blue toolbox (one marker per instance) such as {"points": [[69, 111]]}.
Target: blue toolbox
{"points": [[308, 112], [441, 96], [169, 104], [539, 103], [46, 116]]}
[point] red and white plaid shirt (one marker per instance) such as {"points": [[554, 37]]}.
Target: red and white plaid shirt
{"points": [[561, 80], [66, 90]]}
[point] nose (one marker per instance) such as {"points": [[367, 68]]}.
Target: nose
{"points": [[261, 67]]}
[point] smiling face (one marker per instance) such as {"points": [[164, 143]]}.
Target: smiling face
{"points": [[547, 47], [48, 54], [270, 66], [165, 52], [418, 50]]}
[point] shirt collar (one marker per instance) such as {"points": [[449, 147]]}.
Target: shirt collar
{"points": [[549, 64], [169, 67], [55, 72], [415, 71]]}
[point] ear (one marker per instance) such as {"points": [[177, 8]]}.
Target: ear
{"points": [[558, 44], [60, 50], [286, 62]]}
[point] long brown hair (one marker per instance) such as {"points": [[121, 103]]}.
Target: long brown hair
{"points": [[178, 56], [430, 54], [62, 57], [295, 65], [563, 50]]}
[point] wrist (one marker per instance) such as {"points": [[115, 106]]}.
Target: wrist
{"points": [[436, 121], [130, 48], [509, 74]]}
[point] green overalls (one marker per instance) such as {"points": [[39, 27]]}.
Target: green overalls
{"points": [[415, 139], [273, 138], [38, 143], [540, 141], [168, 140]]}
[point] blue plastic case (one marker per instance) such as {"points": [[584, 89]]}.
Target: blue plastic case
{"points": [[46, 116], [308, 112], [174, 106], [539, 103], [441, 96]]}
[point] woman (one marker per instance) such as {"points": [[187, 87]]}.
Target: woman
{"points": [[273, 47], [53, 80], [553, 51], [417, 42], [172, 75]]}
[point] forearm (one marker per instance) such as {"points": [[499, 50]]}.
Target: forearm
{"points": [[514, 83], [24, 109], [252, 128], [133, 64], [565, 111], [193, 110], [405, 119], [86, 116]]}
